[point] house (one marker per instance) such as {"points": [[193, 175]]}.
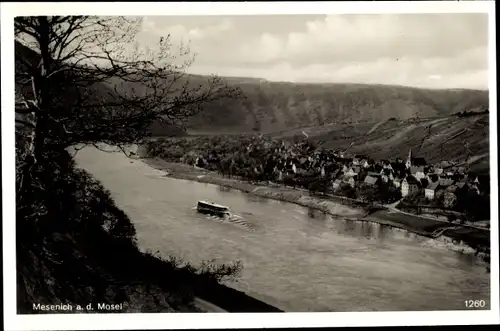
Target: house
{"points": [[388, 165], [353, 171], [373, 174], [359, 160], [445, 164], [432, 178], [336, 184], [349, 180], [369, 180], [460, 188], [418, 172], [279, 175], [410, 185], [445, 182], [430, 190], [452, 188], [387, 175], [366, 163], [438, 171]]}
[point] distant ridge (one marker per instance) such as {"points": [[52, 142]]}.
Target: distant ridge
{"points": [[279, 106]]}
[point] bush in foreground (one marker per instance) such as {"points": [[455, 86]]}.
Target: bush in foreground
{"points": [[74, 245]]}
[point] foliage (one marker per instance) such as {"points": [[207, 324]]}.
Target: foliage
{"points": [[388, 193], [320, 184], [416, 199], [84, 84], [367, 192], [450, 200], [74, 245], [88, 81], [347, 191], [476, 206]]}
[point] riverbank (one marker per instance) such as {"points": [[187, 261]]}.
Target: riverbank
{"points": [[285, 194], [478, 240]]}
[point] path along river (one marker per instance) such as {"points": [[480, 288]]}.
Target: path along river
{"points": [[294, 258]]}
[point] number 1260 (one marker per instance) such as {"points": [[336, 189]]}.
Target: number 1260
{"points": [[475, 303]]}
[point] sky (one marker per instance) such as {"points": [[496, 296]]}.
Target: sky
{"points": [[422, 50]]}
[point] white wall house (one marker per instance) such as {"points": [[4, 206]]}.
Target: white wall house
{"points": [[430, 191], [410, 186]]}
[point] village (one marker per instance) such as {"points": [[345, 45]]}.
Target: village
{"points": [[443, 186]]}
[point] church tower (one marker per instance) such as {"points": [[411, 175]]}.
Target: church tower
{"points": [[408, 161]]}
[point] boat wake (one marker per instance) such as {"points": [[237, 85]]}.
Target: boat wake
{"points": [[233, 219]]}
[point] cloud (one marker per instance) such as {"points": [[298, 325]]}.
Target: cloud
{"points": [[408, 49], [180, 32], [367, 37]]}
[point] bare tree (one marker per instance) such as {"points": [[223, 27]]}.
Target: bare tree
{"points": [[90, 82]]}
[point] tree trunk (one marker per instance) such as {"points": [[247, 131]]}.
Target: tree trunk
{"points": [[41, 88]]}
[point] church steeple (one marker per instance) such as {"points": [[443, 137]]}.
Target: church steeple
{"points": [[408, 161]]}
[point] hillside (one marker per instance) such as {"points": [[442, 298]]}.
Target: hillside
{"points": [[435, 139], [271, 107], [275, 106]]}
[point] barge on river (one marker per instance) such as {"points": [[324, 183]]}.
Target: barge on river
{"points": [[211, 208]]}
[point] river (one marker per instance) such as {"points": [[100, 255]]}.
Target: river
{"points": [[293, 258]]}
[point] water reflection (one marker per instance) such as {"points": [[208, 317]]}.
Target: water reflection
{"points": [[224, 189], [383, 232], [367, 230], [316, 214], [254, 198]]}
